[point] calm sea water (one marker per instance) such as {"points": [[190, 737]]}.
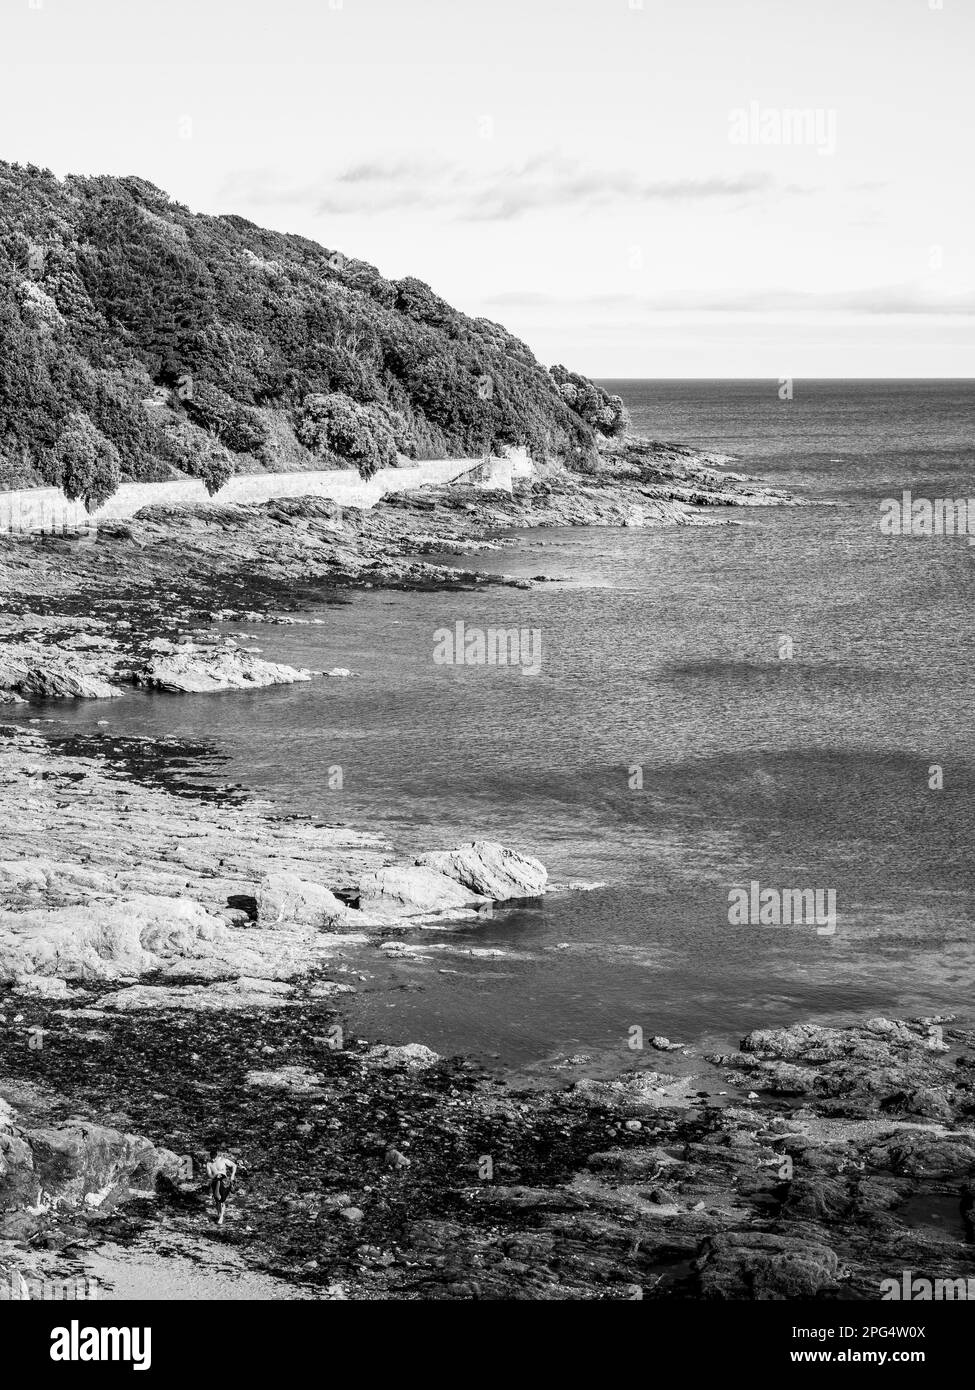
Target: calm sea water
{"points": [[661, 653]]}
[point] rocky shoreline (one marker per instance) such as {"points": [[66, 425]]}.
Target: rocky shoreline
{"points": [[167, 569], [173, 971], [813, 1162]]}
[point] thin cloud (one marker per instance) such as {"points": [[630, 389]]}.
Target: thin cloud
{"points": [[881, 299], [540, 184]]}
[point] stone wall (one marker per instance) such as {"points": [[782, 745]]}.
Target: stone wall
{"points": [[47, 509]]}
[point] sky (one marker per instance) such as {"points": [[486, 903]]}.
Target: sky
{"points": [[660, 188]]}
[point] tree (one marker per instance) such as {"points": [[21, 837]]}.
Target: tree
{"points": [[86, 463], [201, 455], [215, 468], [602, 412], [336, 424]]}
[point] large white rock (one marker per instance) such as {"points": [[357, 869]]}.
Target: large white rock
{"points": [[404, 891], [105, 940], [196, 672], [80, 1162], [287, 898], [483, 866]]}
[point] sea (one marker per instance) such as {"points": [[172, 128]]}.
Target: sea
{"points": [[780, 702]]}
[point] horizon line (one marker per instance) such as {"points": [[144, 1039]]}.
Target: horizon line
{"points": [[603, 376]]}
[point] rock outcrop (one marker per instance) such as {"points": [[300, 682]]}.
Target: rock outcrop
{"points": [[79, 1161], [490, 870], [288, 898], [450, 881], [765, 1266], [29, 672], [140, 882], [409, 891], [119, 939], [35, 671], [196, 672], [74, 1167]]}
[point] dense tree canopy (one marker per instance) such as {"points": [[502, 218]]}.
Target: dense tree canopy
{"points": [[142, 341]]}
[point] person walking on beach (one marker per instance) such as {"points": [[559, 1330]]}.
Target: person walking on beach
{"points": [[221, 1170]]}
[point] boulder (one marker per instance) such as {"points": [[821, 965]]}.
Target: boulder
{"points": [[632, 1165], [413, 1056], [50, 882], [808, 1042], [816, 1198], [871, 1042], [72, 1161], [928, 1102], [485, 867], [638, 1092], [403, 891], [287, 898]]}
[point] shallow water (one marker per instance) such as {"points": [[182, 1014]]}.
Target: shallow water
{"points": [[666, 651]]}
